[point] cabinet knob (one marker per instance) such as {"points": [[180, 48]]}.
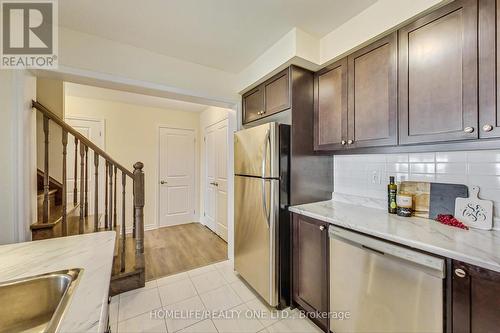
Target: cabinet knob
{"points": [[350, 142], [469, 129], [321, 227], [163, 182], [487, 128], [343, 142], [460, 272]]}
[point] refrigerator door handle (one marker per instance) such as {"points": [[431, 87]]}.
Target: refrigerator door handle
{"points": [[264, 203], [264, 159]]}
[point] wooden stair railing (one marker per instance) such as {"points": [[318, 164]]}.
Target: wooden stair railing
{"points": [[83, 146]]}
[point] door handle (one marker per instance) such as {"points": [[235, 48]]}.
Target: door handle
{"points": [[163, 182], [264, 203], [264, 159]]}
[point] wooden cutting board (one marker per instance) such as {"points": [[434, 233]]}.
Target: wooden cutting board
{"points": [[474, 212], [443, 197], [421, 192]]}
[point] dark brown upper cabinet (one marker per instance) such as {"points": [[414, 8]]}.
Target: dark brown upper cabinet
{"points": [[253, 104], [489, 58], [310, 279], [438, 76], [277, 94], [475, 299], [330, 107], [356, 99], [373, 94], [270, 97]]}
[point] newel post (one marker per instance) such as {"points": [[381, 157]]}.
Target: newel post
{"points": [[139, 206]]}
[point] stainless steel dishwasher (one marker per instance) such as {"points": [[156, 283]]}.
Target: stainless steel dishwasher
{"points": [[384, 287]]}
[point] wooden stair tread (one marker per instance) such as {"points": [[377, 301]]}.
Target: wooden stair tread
{"points": [[55, 216], [40, 193]]}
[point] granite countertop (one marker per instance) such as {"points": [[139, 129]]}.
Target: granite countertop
{"points": [[476, 247], [88, 309]]}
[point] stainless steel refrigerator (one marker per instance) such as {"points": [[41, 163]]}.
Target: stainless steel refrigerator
{"points": [[262, 227]]}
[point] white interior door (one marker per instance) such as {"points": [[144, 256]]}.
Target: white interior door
{"points": [[221, 179], [216, 137], [94, 131], [211, 175], [176, 172]]}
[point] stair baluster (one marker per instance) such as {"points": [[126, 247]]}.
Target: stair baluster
{"points": [[114, 204], [96, 192], [122, 259], [86, 181], [106, 222], [64, 185], [133, 210], [111, 196], [82, 187], [75, 179], [46, 184]]}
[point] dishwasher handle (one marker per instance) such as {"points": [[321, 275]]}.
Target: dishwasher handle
{"points": [[432, 265]]}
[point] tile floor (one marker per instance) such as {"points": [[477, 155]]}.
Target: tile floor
{"points": [[215, 289]]}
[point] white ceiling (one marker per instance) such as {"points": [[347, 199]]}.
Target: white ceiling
{"points": [[80, 90], [223, 34]]}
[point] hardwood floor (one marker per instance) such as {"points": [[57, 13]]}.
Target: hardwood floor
{"points": [[176, 249]]}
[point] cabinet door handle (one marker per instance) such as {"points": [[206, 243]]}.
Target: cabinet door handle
{"points": [[321, 227], [163, 182], [350, 142], [469, 129], [487, 128], [343, 142], [460, 272]]}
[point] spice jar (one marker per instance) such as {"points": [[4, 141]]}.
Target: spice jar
{"points": [[405, 204]]}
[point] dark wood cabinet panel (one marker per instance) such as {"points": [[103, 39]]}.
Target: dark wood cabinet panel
{"points": [[330, 107], [438, 75], [373, 101], [489, 68], [253, 104], [310, 267], [475, 299], [277, 93]]}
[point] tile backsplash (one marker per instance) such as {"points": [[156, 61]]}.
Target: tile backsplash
{"points": [[368, 175]]}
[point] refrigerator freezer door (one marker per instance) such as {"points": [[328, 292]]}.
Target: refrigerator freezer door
{"points": [[256, 151], [256, 213]]}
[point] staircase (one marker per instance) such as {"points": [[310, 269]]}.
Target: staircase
{"points": [[59, 218]]}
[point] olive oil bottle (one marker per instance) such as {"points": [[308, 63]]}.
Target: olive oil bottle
{"points": [[392, 190]]}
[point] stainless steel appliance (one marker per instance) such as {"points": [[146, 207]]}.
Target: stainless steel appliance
{"points": [[385, 287], [261, 239]]}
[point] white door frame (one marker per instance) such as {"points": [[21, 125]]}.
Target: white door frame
{"points": [[158, 161], [205, 171], [102, 124]]}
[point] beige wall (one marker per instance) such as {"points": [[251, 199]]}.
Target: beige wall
{"points": [[6, 157], [51, 94], [131, 135], [17, 155]]}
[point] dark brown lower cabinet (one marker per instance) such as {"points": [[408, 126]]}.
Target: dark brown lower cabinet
{"points": [[475, 299], [310, 253]]}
